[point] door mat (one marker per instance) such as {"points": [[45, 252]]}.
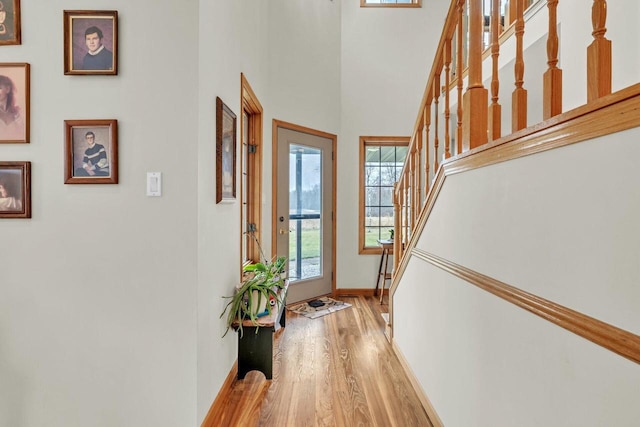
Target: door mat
{"points": [[318, 307]]}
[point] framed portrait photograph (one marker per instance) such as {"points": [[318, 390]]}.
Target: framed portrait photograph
{"points": [[225, 153], [91, 42], [10, 22], [15, 189], [14, 102], [91, 152]]}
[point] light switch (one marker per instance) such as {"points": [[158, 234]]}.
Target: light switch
{"points": [[154, 184]]}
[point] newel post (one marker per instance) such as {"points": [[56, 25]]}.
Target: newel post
{"points": [[476, 97], [598, 54]]}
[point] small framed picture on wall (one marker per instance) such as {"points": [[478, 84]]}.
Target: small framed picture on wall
{"points": [[91, 42], [10, 22], [14, 102], [15, 189], [91, 152], [225, 153]]}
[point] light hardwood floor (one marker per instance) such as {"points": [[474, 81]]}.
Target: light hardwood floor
{"points": [[337, 370]]}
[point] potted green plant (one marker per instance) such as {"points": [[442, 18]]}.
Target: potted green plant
{"points": [[255, 295]]}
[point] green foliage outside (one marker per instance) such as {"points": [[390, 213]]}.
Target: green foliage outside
{"points": [[310, 244], [372, 234]]}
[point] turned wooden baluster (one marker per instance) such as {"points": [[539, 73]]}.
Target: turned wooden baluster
{"points": [[598, 54], [418, 165], [447, 112], [459, 76], [397, 235], [408, 203], [416, 183], [474, 121], [408, 176], [495, 110], [412, 184], [552, 79], [519, 96], [400, 229], [436, 139], [403, 209], [510, 12], [427, 124]]}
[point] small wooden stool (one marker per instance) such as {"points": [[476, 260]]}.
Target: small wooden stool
{"points": [[387, 246]]}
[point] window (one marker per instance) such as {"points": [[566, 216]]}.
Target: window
{"points": [[381, 162], [251, 169], [390, 3]]}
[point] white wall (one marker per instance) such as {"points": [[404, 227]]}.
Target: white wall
{"points": [[304, 75], [386, 59], [232, 40], [304, 63], [97, 290], [569, 235]]}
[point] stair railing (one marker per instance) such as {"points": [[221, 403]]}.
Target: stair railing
{"points": [[458, 61]]}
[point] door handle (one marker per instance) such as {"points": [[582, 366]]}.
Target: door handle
{"points": [[282, 231]]}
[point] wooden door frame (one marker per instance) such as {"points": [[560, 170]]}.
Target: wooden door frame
{"points": [[250, 103], [274, 183]]}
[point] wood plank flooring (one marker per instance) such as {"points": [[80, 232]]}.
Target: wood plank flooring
{"points": [[337, 370]]}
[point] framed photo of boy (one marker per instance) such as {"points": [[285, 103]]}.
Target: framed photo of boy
{"points": [[14, 102], [225, 153], [10, 22], [15, 189], [91, 152], [91, 42]]}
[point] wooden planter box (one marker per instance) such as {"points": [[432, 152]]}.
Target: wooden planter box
{"points": [[255, 345]]}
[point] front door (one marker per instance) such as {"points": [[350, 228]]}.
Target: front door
{"points": [[304, 224]]}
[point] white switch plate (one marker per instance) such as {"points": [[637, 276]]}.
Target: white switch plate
{"points": [[154, 184]]}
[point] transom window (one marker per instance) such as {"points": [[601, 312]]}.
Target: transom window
{"points": [[390, 3], [381, 162]]}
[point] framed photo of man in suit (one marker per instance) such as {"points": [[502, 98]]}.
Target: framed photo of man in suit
{"points": [[91, 42]]}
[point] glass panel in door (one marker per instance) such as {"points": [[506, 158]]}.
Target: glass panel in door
{"points": [[305, 212]]}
